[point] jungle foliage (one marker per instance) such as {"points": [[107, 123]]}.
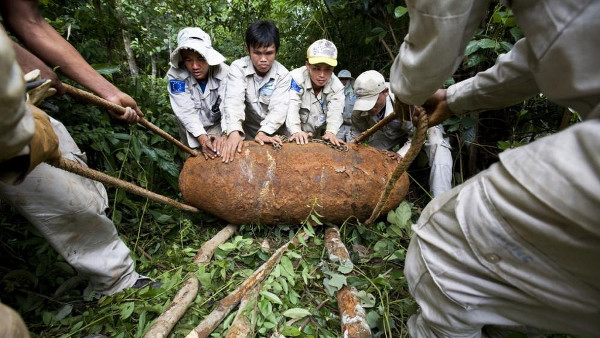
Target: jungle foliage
{"points": [[298, 299]]}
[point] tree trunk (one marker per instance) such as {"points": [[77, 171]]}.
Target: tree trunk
{"points": [[133, 69]]}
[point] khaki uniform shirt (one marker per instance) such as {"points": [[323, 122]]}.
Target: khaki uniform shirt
{"points": [[252, 104], [197, 112], [16, 122], [307, 112]]}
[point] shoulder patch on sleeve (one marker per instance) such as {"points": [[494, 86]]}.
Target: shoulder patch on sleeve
{"points": [[176, 86], [295, 87]]}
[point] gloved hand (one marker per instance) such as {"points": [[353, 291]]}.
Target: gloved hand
{"points": [[44, 143], [38, 89]]}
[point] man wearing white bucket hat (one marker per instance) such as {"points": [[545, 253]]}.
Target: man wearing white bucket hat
{"points": [[316, 96], [196, 90]]}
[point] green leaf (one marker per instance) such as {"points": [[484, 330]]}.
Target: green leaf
{"points": [[296, 312], [367, 300], [127, 309], [317, 220], [141, 322], [227, 247], [63, 312], [399, 11], [106, 69], [287, 266], [273, 298], [290, 331], [337, 280], [486, 43], [345, 267]]}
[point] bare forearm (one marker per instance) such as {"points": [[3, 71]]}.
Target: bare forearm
{"points": [[25, 21]]}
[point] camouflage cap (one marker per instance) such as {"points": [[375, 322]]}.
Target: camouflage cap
{"points": [[322, 51]]}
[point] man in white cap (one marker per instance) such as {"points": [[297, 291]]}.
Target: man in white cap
{"points": [[196, 90], [345, 132], [256, 99], [316, 96], [374, 102]]}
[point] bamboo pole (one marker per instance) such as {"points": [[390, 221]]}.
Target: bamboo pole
{"points": [[91, 98], [367, 133], [210, 322], [167, 320], [353, 316], [81, 170], [207, 250], [413, 151]]}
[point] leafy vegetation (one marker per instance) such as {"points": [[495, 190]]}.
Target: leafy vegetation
{"points": [[297, 298]]}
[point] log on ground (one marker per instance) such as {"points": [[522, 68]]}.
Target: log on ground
{"points": [[270, 186]]}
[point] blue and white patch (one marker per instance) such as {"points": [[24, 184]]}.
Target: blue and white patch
{"points": [[295, 87], [177, 86], [268, 88]]}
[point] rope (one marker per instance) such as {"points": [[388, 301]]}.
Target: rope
{"points": [[413, 151], [91, 98], [81, 170]]}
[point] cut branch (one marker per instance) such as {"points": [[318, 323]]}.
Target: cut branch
{"points": [[367, 133], [242, 324], [84, 171], [167, 320], [353, 316], [413, 151], [210, 322], [207, 250]]}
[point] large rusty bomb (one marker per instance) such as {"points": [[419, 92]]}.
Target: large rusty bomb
{"points": [[279, 186]]}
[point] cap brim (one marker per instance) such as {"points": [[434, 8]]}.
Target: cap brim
{"points": [[365, 103], [212, 57], [329, 61]]}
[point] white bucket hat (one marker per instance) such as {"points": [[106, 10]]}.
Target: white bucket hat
{"points": [[367, 87], [195, 39], [345, 74]]}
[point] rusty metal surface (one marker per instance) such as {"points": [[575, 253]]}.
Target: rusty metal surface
{"points": [[274, 186]]}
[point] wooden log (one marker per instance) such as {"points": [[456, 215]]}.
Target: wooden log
{"points": [[353, 316], [273, 186], [207, 250], [242, 324], [167, 320]]}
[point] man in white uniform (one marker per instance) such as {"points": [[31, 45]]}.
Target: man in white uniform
{"points": [[196, 90], [256, 98], [316, 96], [517, 245]]}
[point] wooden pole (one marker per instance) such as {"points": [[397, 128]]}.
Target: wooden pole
{"points": [[163, 325], [167, 320], [81, 170], [353, 316], [413, 151], [91, 98], [367, 133]]}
